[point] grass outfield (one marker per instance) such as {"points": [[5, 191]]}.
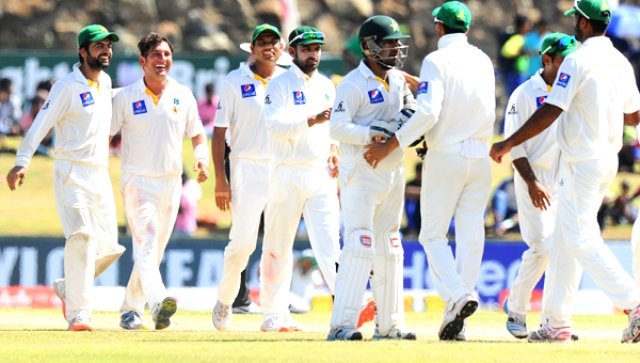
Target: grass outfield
{"points": [[38, 335]]}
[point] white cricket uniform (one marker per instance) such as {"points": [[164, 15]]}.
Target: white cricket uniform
{"points": [[300, 184], [152, 136], [456, 113], [371, 199], [595, 86], [80, 115], [240, 109], [543, 154]]}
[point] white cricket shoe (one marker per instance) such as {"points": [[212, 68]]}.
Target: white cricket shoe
{"points": [[221, 316], [632, 333], [517, 325], [453, 321], [279, 323], [344, 334], [395, 334], [547, 334], [81, 322]]}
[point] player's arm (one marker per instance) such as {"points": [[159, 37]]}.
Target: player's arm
{"points": [[537, 192], [279, 122], [412, 81], [333, 160], [632, 119], [345, 108], [222, 190], [195, 130]]}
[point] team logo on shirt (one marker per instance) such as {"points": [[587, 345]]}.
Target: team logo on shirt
{"points": [[423, 87], [46, 105], [87, 99], [248, 90], [139, 107], [563, 80], [375, 96], [365, 241], [298, 98], [340, 107], [540, 100]]}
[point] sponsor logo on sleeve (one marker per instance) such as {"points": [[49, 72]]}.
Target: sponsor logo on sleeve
{"points": [[298, 98], [87, 99], [540, 100], [139, 107], [267, 100], [423, 87], [563, 80], [375, 96], [248, 90], [340, 107], [512, 110]]}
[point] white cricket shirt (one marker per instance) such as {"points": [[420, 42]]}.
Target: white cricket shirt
{"points": [[541, 151], [152, 134], [291, 99], [361, 98], [595, 86], [240, 109], [456, 97], [80, 115]]}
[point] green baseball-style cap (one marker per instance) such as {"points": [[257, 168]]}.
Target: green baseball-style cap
{"points": [[592, 9], [558, 43], [453, 14], [305, 35], [381, 27], [95, 33], [264, 28]]}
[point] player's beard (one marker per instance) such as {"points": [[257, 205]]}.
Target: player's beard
{"points": [[95, 63], [306, 68]]}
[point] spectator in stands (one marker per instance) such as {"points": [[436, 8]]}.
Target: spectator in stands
{"points": [[630, 150], [532, 43], [207, 108], [622, 210], [8, 122], [186, 222], [514, 62], [504, 209], [306, 282]]}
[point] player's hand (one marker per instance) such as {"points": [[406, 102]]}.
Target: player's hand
{"points": [[16, 175], [539, 196], [223, 195], [323, 116], [498, 150], [203, 171], [332, 164], [377, 151]]}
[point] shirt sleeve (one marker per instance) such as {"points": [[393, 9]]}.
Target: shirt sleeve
{"points": [[565, 85], [279, 124], [345, 107], [516, 114], [224, 113], [54, 107], [119, 108], [632, 103], [429, 100], [193, 124]]}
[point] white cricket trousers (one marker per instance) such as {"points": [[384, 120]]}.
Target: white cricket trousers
{"points": [[577, 243], [536, 229], [87, 211], [453, 185], [151, 206], [372, 206], [249, 193], [296, 191]]}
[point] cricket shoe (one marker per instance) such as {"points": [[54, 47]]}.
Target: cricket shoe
{"points": [[367, 314], [517, 325], [395, 334], [631, 334], [131, 320], [547, 334], [279, 323], [453, 321], [82, 322], [221, 316], [58, 288], [163, 311], [344, 334]]}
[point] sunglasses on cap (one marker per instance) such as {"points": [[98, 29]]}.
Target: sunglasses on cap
{"points": [[307, 36], [560, 45]]}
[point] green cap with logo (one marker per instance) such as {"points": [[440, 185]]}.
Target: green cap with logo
{"points": [[453, 14], [381, 27], [592, 10], [95, 33], [305, 35], [558, 43], [264, 28]]}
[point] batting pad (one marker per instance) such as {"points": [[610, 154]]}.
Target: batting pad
{"points": [[387, 287], [355, 264]]}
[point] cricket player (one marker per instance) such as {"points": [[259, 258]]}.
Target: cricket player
{"points": [[596, 94], [368, 102], [240, 111], [154, 114], [456, 113], [303, 181], [535, 181], [79, 110]]}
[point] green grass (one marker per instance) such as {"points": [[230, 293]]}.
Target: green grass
{"points": [[39, 335], [30, 210]]}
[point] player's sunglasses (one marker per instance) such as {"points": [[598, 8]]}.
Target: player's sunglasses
{"points": [[560, 45], [307, 36]]}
